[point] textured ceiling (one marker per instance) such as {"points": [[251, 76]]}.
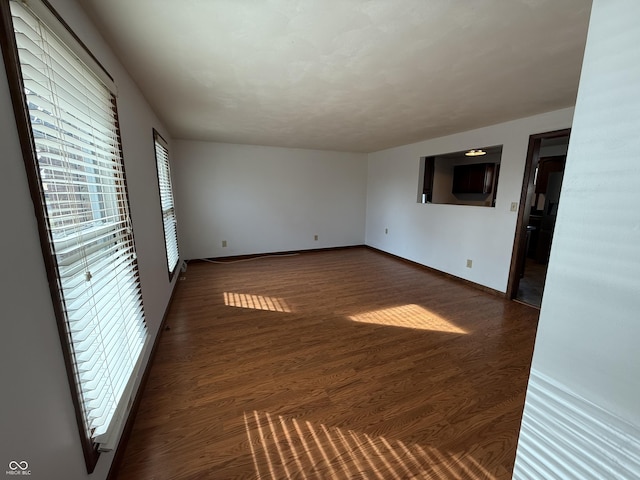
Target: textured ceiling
{"points": [[347, 75]]}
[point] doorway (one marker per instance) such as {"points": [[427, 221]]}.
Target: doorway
{"points": [[539, 202]]}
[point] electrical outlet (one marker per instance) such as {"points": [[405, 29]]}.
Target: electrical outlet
{"points": [[514, 206], [315, 237], [469, 263], [386, 230], [224, 243]]}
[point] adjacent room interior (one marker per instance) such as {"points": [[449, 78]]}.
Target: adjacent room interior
{"points": [[544, 172], [281, 240]]}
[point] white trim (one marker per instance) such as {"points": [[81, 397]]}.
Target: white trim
{"points": [[565, 436]]}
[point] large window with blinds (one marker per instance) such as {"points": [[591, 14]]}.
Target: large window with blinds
{"points": [[166, 202], [66, 111]]}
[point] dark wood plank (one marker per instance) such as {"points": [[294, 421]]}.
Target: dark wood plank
{"points": [[339, 364]]}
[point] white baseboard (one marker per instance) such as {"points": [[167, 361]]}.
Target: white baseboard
{"points": [[564, 436]]}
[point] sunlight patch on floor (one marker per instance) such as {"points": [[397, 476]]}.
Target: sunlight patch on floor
{"points": [[409, 316], [256, 302], [293, 448]]}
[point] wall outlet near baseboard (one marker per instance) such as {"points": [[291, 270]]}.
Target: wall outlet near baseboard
{"points": [[224, 243], [315, 238], [386, 230], [469, 263]]}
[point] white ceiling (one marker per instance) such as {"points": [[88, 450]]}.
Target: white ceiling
{"points": [[347, 75]]}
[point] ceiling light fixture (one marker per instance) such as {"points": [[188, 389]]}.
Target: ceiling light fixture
{"points": [[475, 153]]}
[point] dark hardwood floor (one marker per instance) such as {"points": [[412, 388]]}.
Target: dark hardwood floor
{"points": [[345, 364]]}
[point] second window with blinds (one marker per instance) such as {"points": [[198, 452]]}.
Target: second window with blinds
{"points": [[166, 203]]}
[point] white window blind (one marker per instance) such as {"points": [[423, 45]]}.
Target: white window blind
{"points": [[166, 202], [75, 131]]}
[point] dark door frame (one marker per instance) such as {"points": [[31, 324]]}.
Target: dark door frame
{"points": [[520, 240]]}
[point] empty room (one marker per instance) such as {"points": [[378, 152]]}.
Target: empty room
{"points": [[300, 239]]}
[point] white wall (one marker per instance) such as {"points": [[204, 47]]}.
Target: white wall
{"points": [[37, 422], [589, 327], [445, 236], [266, 199], [553, 150]]}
